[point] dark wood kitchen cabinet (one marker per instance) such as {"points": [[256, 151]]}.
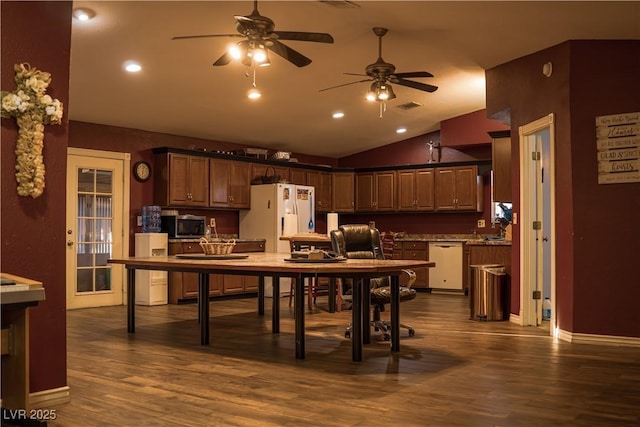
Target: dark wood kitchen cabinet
{"points": [[321, 181], [181, 180], [229, 186], [342, 191], [478, 254], [458, 188], [501, 165], [375, 191], [298, 176], [183, 287], [416, 190], [414, 250], [258, 170]]}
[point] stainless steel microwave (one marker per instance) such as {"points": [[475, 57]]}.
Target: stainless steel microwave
{"points": [[183, 226]]}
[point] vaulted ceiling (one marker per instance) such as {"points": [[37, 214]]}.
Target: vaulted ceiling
{"points": [[180, 92]]}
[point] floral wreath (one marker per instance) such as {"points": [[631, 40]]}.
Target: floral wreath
{"points": [[32, 109]]}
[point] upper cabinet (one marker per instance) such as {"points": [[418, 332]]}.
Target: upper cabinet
{"points": [[375, 191], [181, 180], [321, 181], [501, 164], [298, 176], [229, 186], [259, 169], [416, 190], [342, 185], [458, 188]]}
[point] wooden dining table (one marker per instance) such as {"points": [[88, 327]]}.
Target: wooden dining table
{"points": [[277, 265]]}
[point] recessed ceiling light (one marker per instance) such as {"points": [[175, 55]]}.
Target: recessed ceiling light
{"points": [[338, 115], [83, 14], [132, 66], [401, 130], [254, 93]]}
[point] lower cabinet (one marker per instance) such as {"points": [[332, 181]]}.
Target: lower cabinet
{"points": [[415, 251], [183, 287], [477, 254]]}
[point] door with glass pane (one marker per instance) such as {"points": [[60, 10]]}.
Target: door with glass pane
{"points": [[95, 199]]}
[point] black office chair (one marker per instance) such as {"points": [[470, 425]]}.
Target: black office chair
{"points": [[362, 241]]}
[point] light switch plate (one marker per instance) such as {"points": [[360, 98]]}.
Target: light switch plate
{"points": [[139, 221], [481, 223], [212, 222], [515, 218]]}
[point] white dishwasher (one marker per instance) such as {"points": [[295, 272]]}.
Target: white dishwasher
{"points": [[447, 274]]}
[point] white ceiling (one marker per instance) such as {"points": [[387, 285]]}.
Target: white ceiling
{"points": [[179, 91]]}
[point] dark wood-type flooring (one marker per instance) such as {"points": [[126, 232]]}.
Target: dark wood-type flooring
{"points": [[453, 372]]}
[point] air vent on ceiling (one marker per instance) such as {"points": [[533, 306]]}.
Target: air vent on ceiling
{"points": [[341, 4], [409, 105]]}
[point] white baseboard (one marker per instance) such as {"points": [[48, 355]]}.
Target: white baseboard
{"points": [[47, 398], [579, 338], [514, 318]]}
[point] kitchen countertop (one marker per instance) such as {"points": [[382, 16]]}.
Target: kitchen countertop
{"points": [[221, 236], [469, 239]]}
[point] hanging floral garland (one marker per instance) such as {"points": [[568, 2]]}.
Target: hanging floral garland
{"points": [[32, 109]]}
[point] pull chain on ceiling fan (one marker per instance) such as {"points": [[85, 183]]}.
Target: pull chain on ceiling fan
{"points": [[381, 73], [260, 37]]}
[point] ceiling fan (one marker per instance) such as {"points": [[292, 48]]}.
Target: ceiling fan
{"points": [[381, 73], [260, 36]]}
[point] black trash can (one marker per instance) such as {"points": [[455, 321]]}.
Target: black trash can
{"points": [[487, 292]]}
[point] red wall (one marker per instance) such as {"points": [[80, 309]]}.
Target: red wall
{"points": [[468, 129], [33, 230], [598, 233]]}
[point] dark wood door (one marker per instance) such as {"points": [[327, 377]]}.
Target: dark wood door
{"points": [[219, 184], [385, 191], [365, 192], [239, 185], [425, 189]]}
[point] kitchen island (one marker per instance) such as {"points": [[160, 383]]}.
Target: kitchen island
{"points": [[273, 265]]}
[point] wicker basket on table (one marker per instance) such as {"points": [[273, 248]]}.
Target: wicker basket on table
{"points": [[217, 246]]}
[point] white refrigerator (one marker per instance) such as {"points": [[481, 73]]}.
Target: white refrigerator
{"points": [[277, 210]]}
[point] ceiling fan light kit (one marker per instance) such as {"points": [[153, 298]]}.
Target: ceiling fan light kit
{"points": [[382, 73], [260, 37]]}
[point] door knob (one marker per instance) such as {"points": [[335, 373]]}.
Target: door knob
{"points": [[69, 243], [545, 239]]}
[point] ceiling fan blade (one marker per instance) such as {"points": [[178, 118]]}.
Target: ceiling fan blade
{"points": [[304, 36], [205, 36], [415, 85], [223, 60], [413, 74], [345, 84], [296, 58]]}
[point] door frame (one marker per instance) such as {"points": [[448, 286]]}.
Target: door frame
{"points": [[531, 207], [125, 203]]}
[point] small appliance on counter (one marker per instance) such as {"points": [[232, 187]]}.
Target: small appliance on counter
{"points": [[183, 226]]}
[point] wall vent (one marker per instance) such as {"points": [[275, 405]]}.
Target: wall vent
{"points": [[409, 105], [340, 4]]}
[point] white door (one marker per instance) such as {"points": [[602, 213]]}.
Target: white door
{"points": [[537, 222], [97, 202]]}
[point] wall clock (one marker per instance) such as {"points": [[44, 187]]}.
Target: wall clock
{"points": [[142, 171]]}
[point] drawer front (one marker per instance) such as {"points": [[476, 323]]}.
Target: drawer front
{"points": [[414, 254], [249, 247], [191, 248], [422, 246]]}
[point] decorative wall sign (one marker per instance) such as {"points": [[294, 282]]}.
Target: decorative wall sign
{"points": [[33, 109], [618, 142]]}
